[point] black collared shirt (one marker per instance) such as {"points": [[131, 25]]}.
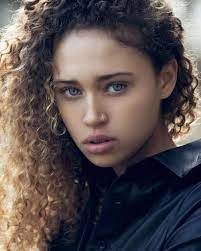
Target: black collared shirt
{"points": [[154, 206]]}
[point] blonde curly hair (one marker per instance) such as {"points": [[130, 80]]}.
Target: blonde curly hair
{"points": [[37, 182]]}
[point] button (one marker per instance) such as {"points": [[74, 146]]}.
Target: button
{"points": [[118, 202], [102, 245]]}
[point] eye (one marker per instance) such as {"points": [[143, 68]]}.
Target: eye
{"points": [[69, 91], [117, 86]]}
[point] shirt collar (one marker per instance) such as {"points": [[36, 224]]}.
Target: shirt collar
{"points": [[182, 159]]}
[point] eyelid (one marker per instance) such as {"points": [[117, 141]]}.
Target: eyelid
{"points": [[123, 82]]}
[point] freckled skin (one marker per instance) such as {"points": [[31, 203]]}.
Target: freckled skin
{"points": [[132, 114]]}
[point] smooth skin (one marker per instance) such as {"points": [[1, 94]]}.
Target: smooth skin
{"points": [[95, 74]]}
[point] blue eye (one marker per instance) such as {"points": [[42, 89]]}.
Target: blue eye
{"points": [[118, 86], [70, 90]]}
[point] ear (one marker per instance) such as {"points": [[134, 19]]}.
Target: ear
{"points": [[168, 78]]}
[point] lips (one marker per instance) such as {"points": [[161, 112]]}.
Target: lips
{"points": [[97, 139], [99, 144]]}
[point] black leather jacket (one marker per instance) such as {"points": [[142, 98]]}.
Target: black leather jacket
{"points": [[154, 206]]}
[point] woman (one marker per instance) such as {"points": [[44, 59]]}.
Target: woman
{"points": [[93, 94]]}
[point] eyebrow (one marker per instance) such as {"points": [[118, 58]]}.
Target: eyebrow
{"points": [[98, 79]]}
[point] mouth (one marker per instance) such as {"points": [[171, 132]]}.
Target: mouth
{"points": [[95, 147], [99, 142]]}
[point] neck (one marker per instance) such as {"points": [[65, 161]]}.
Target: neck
{"points": [[160, 141]]}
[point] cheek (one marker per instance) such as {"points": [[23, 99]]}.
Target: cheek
{"points": [[146, 106], [73, 125], [136, 120], [71, 121], [139, 107], [138, 126]]}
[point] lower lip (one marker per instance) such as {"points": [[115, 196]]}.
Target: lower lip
{"points": [[101, 147]]}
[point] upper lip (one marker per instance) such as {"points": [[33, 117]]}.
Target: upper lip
{"points": [[97, 138]]}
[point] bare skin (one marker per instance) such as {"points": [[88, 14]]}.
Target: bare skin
{"points": [[130, 100]]}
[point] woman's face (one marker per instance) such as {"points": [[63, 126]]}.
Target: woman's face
{"points": [[94, 75]]}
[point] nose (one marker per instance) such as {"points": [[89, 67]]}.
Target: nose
{"points": [[95, 115]]}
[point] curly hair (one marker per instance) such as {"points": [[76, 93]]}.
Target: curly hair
{"points": [[37, 187]]}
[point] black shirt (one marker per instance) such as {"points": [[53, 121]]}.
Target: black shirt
{"points": [[155, 205]]}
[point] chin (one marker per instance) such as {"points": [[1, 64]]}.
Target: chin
{"points": [[100, 163], [103, 162]]}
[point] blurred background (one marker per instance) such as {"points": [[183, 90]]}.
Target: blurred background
{"points": [[189, 11]]}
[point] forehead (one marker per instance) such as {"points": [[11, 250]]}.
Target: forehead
{"points": [[94, 51]]}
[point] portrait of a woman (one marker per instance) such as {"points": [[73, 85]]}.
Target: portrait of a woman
{"points": [[93, 94]]}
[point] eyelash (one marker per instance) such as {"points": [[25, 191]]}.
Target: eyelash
{"points": [[63, 90]]}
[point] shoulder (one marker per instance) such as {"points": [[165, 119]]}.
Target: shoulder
{"points": [[189, 186], [186, 227]]}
